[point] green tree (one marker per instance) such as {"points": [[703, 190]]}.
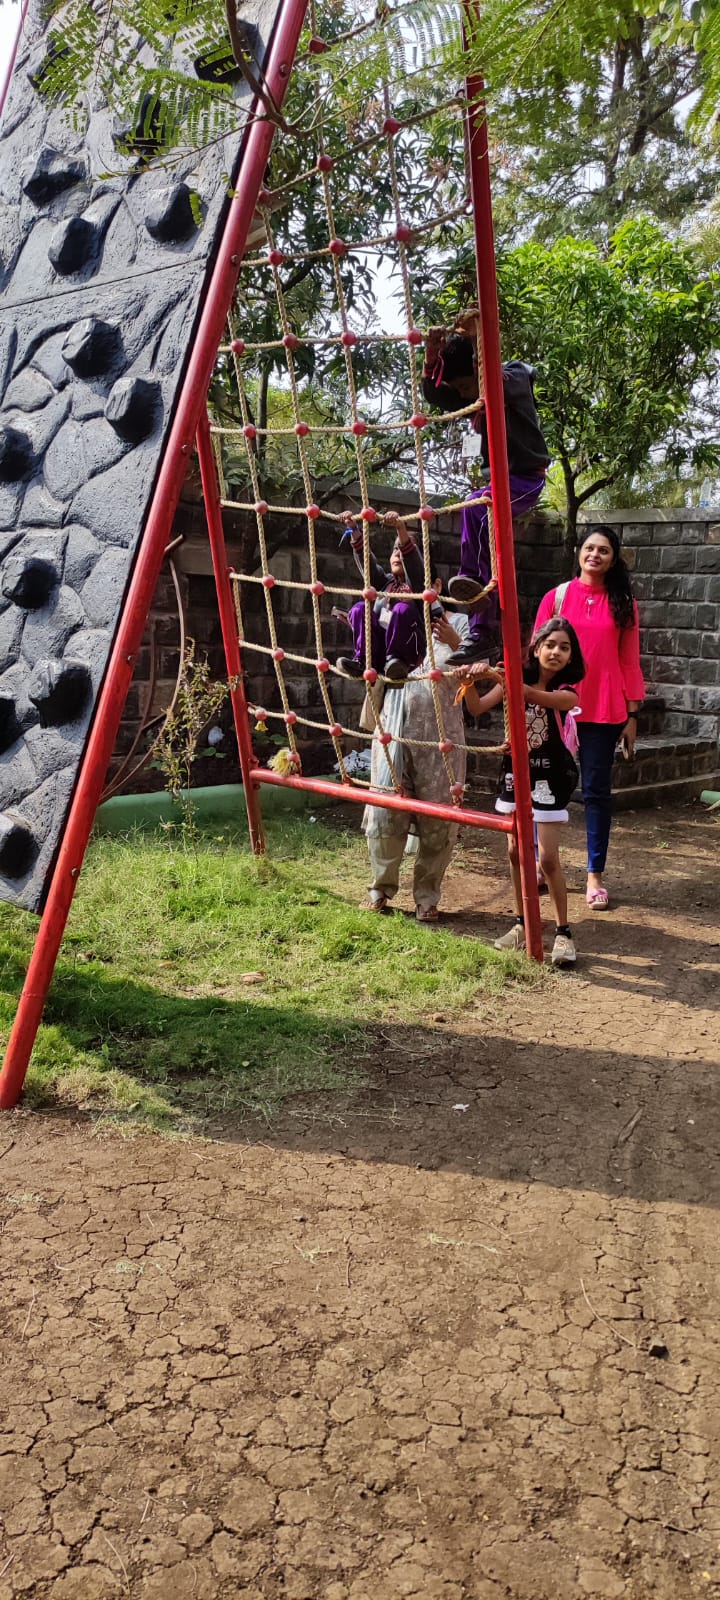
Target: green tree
{"points": [[621, 339]]}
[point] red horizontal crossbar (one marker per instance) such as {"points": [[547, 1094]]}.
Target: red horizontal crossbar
{"points": [[388, 802]]}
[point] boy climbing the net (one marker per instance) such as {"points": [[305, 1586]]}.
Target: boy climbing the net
{"points": [[451, 381], [397, 629]]}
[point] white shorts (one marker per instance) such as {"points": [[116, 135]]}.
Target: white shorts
{"points": [[508, 807]]}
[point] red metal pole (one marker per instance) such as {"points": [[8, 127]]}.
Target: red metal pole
{"points": [[388, 802], [7, 80], [502, 509], [119, 673], [228, 623]]}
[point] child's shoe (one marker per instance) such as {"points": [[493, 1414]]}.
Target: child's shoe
{"points": [[514, 939], [395, 669], [465, 590], [348, 664], [563, 951]]}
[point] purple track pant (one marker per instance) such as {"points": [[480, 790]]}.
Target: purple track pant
{"points": [[404, 636]]}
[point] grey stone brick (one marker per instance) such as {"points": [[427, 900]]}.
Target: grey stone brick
{"points": [[667, 669], [691, 588], [648, 558], [708, 559], [661, 642], [710, 646], [687, 643], [667, 533], [635, 533], [678, 558], [709, 700], [704, 671]]}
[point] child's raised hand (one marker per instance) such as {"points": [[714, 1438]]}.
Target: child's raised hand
{"points": [[444, 632], [434, 343], [393, 521]]}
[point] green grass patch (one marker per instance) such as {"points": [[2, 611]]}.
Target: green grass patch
{"points": [[157, 1013]]}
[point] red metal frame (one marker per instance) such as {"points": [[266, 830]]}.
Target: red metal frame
{"points": [[388, 801], [191, 420], [169, 482], [479, 158], [7, 79]]}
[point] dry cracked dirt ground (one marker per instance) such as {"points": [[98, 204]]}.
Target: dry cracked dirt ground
{"points": [[455, 1336]]}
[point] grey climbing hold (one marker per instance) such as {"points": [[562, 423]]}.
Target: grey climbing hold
{"points": [[170, 218], [16, 454], [132, 408], [91, 347], [10, 729], [48, 175], [60, 690], [17, 846], [28, 580], [74, 245]]}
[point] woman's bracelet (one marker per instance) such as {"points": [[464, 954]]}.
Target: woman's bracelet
{"points": [[632, 714]]}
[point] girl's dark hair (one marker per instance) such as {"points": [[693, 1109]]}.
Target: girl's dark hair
{"points": [[458, 356], [617, 578], [574, 669]]}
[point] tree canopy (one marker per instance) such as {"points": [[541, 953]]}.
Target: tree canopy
{"points": [[620, 340]]}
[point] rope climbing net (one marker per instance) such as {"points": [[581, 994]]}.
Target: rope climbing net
{"points": [[303, 207]]}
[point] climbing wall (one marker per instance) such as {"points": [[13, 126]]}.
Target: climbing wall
{"points": [[101, 278]]}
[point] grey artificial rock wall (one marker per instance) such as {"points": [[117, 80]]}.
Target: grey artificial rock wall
{"points": [[101, 280]]}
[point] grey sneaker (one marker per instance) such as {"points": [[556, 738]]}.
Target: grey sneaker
{"points": [[465, 590], [563, 951], [514, 939]]}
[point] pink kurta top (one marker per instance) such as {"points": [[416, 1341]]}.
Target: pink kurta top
{"points": [[612, 655]]}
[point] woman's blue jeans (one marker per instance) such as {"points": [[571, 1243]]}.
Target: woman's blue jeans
{"points": [[597, 753]]}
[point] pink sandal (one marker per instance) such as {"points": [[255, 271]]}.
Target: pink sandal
{"points": [[597, 899]]}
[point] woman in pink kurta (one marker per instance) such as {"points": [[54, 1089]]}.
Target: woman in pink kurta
{"points": [[599, 603]]}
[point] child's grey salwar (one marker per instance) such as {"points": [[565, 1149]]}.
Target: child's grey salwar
{"points": [[409, 713]]}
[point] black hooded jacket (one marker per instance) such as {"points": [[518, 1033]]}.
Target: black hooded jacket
{"points": [[528, 455]]}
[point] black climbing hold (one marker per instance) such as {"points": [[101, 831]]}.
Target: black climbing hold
{"points": [[17, 846], [150, 133], [132, 408], [91, 347], [49, 175], [60, 690], [10, 729], [170, 218], [219, 65], [74, 245], [16, 455], [46, 81], [28, 580]]}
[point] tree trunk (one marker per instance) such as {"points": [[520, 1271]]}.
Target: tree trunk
{"points": [[571, 516]]}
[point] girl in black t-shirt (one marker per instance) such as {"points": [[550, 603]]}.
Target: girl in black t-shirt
{"points": [[554, 667]]}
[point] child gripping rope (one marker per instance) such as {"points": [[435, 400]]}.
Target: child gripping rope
{"points": [[554, 669], [397, 629]]}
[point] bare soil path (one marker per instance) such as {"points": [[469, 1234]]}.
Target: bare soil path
{"points": [[455, 1337]]}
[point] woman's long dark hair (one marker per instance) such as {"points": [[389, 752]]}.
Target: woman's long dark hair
{"points": [[617, 577], [573, 671]]}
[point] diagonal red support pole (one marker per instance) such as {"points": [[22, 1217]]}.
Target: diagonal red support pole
{"points": [[502, 510], [190, 405], [228, 623]]}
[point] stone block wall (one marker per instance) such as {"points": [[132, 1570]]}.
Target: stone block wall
{"points": [[675, 561]]}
